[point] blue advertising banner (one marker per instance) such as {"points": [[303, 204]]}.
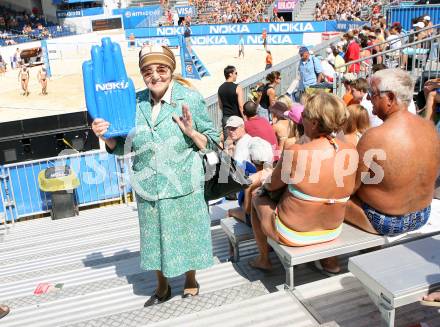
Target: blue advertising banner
{"points": [[69, 13], [75, 13], [183, 11], [46, 58], [229, 29], [138, 17], [405, 15], [343, 26], [252, 39], [58, 2]]}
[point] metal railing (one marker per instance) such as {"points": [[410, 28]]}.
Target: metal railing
{"points": [[423, 61], [288, 70], [102, 178]]}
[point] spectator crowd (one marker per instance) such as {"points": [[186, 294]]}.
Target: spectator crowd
{"points": [[232, 11], [18, 27], [377, 101]]}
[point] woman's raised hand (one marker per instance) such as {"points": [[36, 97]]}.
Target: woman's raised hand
{"points": [[185, 121], [100, 127]]}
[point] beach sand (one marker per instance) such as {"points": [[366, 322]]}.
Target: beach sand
{"points": [[66, 92]]}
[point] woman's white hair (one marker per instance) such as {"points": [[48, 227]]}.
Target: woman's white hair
{"points": [[260, 150], [397, 81]]}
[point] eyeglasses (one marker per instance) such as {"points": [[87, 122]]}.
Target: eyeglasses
{"points": [[372, 94], [160, 70]]}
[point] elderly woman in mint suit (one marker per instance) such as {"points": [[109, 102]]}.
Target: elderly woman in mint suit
{"points": [[172, 125]]}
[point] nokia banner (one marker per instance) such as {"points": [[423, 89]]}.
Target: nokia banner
{"points": [[231, 29]]}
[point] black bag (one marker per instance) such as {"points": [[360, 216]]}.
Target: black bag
{"points": [[225, 177]]}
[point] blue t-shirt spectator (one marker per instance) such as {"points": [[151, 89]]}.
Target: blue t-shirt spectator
{"points": [[308, 70]]}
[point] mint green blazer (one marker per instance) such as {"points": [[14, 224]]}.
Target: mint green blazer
{"points": [[167, 163]]}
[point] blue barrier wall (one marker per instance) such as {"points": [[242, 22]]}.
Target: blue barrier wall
{"points": [[229, 34], [74, 13], [404, 15], [98, 172], [250, 39], [235, 29]]}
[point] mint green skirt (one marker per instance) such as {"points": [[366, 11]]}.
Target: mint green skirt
{"points": [[175, 234]]}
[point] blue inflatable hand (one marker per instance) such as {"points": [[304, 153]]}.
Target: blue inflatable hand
{"points": [[109, 93]]}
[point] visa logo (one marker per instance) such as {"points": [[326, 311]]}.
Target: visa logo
{"points": [[185, 11], [111, 86]]}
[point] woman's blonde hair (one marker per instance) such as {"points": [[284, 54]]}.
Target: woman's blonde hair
{"points": [[179, 79], [328, 110], [293, 128], [283, 103], [358, 120], [285, 99]]}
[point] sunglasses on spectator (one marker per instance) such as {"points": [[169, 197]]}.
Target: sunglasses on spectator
{"points": [[372, 94], [160, 70]]}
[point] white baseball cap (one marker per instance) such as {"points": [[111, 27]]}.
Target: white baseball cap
{"points": [[234, 121], [427, 18], [419, 25]]}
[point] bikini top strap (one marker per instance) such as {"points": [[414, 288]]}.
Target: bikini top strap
{"points": [[332, 140]]}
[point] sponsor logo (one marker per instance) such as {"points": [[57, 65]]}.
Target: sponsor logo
{"points": [[286, 5], [291, 27], [171, 30], [129, 14], [185, 11], [153, 41], [189, 68], [229, 29], [111, 86], [69, 14], [206, 40]]}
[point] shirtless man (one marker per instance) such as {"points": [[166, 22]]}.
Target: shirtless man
{"points": [[23, 76], [398, 162], [42, 78]]}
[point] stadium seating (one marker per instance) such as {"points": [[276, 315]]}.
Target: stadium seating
{"points": [[19, 27]]}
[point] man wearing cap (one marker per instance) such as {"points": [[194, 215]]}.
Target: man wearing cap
{"points": [[172, 125], [238, 146], [309, 70]]}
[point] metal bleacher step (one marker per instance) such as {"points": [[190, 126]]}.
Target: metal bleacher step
{"points": [[343, 300], [274, 309], [110, 292], [179, 308], [87, 264]]}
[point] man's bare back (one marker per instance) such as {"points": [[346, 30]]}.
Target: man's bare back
{"points": [[412, 149]]}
